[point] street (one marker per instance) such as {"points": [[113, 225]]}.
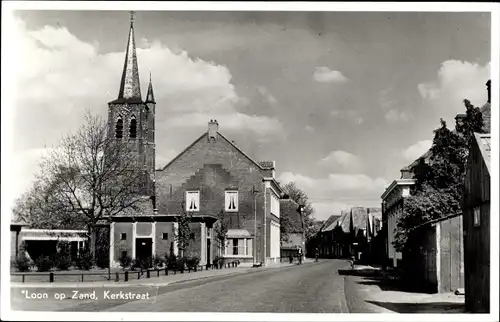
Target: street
{"points": [[308, 288]]}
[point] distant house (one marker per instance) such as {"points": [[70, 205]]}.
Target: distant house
{"points": [[325, 237], [289, 208], [375, 247], [348, 233], [476, 213], [436, 260], [38, 242], [393, 200]]}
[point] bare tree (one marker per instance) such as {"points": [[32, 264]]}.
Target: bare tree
{"points": [[89, 176]]}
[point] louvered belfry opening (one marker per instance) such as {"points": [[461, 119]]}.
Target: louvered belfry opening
{"points": [[119, 128], [133, 128]]}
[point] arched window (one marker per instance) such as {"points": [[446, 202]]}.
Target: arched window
{"points": [[119, 128], [133, 128]]}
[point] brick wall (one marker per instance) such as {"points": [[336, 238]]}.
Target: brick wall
{"points": [[122, 245], [163, 246], [212, 167]]}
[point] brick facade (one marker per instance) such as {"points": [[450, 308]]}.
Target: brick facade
{"points": [[212, 165]]}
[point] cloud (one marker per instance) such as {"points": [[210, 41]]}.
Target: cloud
{"points": [[270, 99], [310, 129], [342, 161], [60, 76], [326, 75], [395, 116], [351, 115], [417, 150], [163, 157], [338, 191], [456, 80]]}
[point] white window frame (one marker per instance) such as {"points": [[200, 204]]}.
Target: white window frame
{"points": [[227, 199], [477, 216], [190, 195], [247, 246]]}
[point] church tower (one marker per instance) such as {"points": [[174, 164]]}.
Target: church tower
{"points": [[132, 119]]}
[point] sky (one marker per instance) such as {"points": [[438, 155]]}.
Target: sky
{"points": [[340, 100]]}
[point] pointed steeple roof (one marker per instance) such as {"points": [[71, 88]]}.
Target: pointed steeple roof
{"points": [[130, 89], [150, 97]]}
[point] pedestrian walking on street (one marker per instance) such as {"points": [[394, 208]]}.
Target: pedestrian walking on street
{"points": [[316, 253], [353, 258], [300, 255]]}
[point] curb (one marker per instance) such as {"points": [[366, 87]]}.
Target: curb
{"points": [[146, 284], [116, 284]]}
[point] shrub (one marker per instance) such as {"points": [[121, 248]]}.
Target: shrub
{"points": [[141, 263], [102, 262], [158, 261], [44, 263], [125, 261], [180, 263], [171, 261], [192, 261], [85, 260], [217, 261], [22, 263], [63, 257]]}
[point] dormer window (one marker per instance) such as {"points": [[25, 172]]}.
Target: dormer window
{"points": [[192, 201], [119, 128], [133, 128]]}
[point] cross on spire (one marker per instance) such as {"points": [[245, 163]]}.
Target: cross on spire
{"points": [[132, 17]]}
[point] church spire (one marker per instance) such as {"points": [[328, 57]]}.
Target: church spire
{"points": [[150, 97], [130, 88]]}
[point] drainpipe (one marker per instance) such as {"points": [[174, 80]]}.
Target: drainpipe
{"points": [[265, 224]]}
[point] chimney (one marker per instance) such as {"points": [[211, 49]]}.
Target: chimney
{"points": [[459, 119], [213, 128], [488, 86], [406, 173]]}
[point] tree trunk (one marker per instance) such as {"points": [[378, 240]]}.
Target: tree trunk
{"points": [[92, 241]]}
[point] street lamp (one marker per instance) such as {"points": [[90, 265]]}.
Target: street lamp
{"points": [[255, 191], [301, 212]]}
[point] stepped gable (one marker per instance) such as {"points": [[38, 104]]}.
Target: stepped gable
{"points": [[212, 180]]}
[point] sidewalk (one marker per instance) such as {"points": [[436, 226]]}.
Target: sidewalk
{"points": [[383, 294], [162, 280]]}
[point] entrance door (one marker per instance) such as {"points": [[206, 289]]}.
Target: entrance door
{"points": [[144, 249], [208, 251]]}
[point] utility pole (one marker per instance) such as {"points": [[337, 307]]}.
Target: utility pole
{"points": [[255, 191]]}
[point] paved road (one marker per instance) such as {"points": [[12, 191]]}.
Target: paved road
{"points": [[309, 288]]}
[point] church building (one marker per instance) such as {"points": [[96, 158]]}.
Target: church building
{"points": [[211, 179]]}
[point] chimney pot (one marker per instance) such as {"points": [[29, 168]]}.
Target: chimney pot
{"points": [[213, 128], [488, 86], [405, 173]]}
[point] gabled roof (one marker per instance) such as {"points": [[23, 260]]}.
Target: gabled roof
{"points": [[484, 142], [359, 217], [334, 223], [204, 135], [329, 222]]}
